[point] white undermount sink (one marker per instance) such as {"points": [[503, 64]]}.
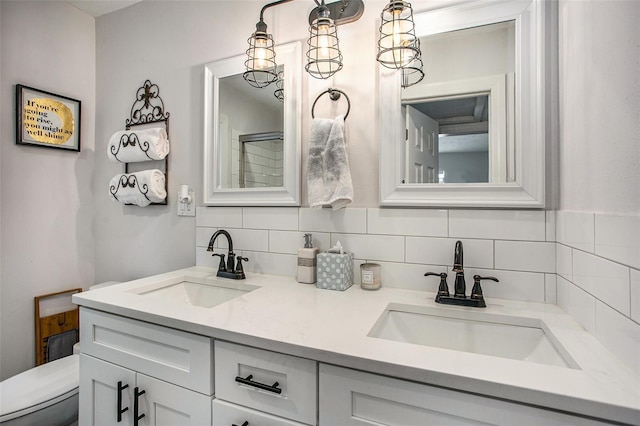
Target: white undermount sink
{"points": [[202, 292], [519, 338]]}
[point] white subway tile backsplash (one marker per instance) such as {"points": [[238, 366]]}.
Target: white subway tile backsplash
{"points": [[618, 238], [353, 220], [525, 256], [282, 218], [585, 263], [562, 293], [440, 251], [606, 280], [575, 229], [550, 228], [550, 289], [564, 261], [244, 239], [219, 217], [205, 258], [203, 235], [619, 334], [582, 307], [635, 294], [410, 276], [498, 224], [419, 222], [515, 285], [372, 247], [271, 263], [288, 242]]}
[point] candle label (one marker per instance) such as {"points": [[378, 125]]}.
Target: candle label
{"points": [[367, 277]]}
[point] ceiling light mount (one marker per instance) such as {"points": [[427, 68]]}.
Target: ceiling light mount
{"points": [[342, 12]]}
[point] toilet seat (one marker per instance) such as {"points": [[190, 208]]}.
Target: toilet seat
{"points": [[39, 387]]}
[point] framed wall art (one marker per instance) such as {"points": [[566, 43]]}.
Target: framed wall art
{"points": [[47, 120]]}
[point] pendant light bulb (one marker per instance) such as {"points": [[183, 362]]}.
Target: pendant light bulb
{"points": [[324, 58], [397, 46], [261, 58]]}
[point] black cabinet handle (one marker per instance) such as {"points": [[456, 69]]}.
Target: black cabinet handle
{"points": [[246, 423], [247, 381], [120, 409], [136, 395]]}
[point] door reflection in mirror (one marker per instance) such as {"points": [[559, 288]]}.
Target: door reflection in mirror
{"points": [[447, 140], [448, 136]]}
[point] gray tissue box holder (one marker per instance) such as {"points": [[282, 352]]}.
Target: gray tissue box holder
{"points": [[335, 271]]}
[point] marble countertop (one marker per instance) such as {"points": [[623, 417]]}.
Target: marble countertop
{"points": [[332, 326]]}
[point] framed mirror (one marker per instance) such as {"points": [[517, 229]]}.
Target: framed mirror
{"points": [[472, 132], [252, 135]]}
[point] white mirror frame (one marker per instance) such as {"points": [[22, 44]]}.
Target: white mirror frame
{"points": [[527, 190], [289, 55]]}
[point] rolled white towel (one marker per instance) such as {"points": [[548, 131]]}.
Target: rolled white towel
{"points": [[140, 188], [131, 146]]}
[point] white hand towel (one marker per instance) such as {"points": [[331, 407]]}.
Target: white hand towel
{"points": [[140, 188], [328, 174], [131, 146]]}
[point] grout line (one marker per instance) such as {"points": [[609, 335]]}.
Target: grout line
{"points": [[630, 298]]}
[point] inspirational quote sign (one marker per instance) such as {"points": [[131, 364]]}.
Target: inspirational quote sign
{"points": [[46, 119]]}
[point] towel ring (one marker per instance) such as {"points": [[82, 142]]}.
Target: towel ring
{"points": [[334, 94]]}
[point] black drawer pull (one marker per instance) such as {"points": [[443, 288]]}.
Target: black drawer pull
{"points": [[136, 417], [247, 381], [120, 409], [246, 423]]}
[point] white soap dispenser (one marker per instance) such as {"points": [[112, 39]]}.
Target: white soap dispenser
{"points": [[307, 262]]}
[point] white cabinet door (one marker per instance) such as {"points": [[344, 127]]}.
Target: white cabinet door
{"points": [[349, 397], [164, 404], [98, 399], [107, 397]]}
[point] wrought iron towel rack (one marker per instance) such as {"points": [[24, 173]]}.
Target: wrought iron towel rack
{"points": [[334, 95], [147, 108]]}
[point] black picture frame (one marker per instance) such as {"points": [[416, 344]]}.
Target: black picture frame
{"points": [[46, 119]]}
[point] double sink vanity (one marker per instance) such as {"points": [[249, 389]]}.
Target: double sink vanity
{"points": [[189, 348]]}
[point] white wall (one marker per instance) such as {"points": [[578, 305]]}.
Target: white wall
{"points": [[47, 194], [598, 224], [172, 55], [600, 107]]}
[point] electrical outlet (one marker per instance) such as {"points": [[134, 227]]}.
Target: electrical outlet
{"points": [[187, 209]]}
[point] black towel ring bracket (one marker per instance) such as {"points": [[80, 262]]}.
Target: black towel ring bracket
{"points": [[334, 95]]}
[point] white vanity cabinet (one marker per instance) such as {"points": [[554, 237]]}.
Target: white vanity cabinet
{"points": [[112, 395], [130, 368], [350, 397], [273, 383]]}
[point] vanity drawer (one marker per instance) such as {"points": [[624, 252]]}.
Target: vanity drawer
{"points": [[246, 376], [174, 356], [227, 414], [351, 398]]}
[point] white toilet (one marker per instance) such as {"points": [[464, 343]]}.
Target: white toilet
{"points": [[44, 395]]}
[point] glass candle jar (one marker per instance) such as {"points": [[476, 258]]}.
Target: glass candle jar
{"points": [[370, 278]]}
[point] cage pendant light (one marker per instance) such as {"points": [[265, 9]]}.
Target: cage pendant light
{"points": [[279, 92], [261, 58], [397, 45], [324, 58], [413, 73]]}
